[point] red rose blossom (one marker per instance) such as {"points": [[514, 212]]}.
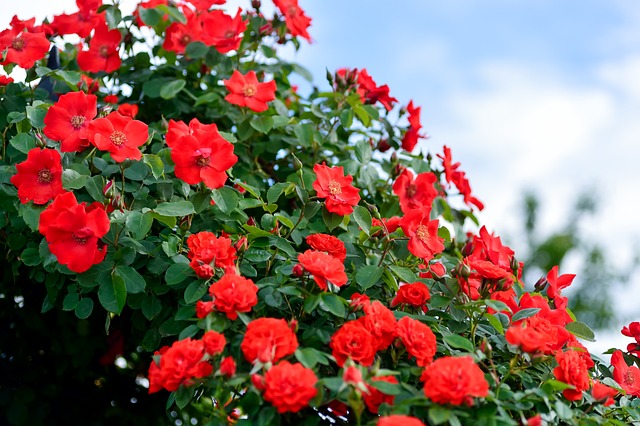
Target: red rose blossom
{"points": [[268, 340], [454, 380], [203, 308], [213, 342], [572, 370], [381, 323], [295, 19], [331, 184], [324, 268], [233, 294], [247, 91], [222, 31], [329, 244], [73, 231], [354, 341], [228, 367], [415, 193], [424, 241], [68, 119], [205, 248], [120, 135], [418, 339], [39, 177], [103, 51], [22, 48], [399, 420], [289, 387], [129, 110], [410, 139], [183, 362], [416, 295], [627, 377]]}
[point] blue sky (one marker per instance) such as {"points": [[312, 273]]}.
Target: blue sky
{"points": [[536, 94]]}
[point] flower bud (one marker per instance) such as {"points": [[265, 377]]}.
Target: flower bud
{"points": [[540, 284], [297, 270], [258, 381], [109, 190], [383, 145], [40, 141], [256, 4], [297, 164]]}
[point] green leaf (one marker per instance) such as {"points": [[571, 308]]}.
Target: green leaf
{"points": [[23, 142], [439, 415], [175, 209], [189, 331], [581, 330], [497, 305], [311, 302], [30, 257], [195, 291], [196, 50], [84, 308], [138, 224], [276, 191], [363, 151], [459, 342], [156, 164], [225, 198], [72, 179], [495, 322], [405, 274], [171, 89], [362, 114], [386, 387], [30, 214], [177, 273], [367, 276], [113, 294], [262, 123], [70, 301], [363, 218], [134, 282], [149, 16], [524, 313], [151, 306], [36, 116], [334, 304], [332, 220], [113, 17], [184, 395], [304, 133]]}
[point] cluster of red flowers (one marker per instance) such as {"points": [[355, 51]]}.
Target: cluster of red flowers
{"points": [[214, 28], [188, 360]]}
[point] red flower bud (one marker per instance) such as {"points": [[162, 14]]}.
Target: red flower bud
{"points": [[297, 270]]}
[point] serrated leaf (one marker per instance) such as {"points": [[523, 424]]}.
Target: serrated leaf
{"points": [[113, 294], [134, 282], [155, 163], [138, 224], [367, 276], [175, 209], [84, 308], [459, 342], [524, 313], [195, 291], [332, 303], [225, 198], [363, 218], [177, 273], [581, 330], [172, 88]]}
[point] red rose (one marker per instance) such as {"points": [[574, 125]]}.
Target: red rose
{"points": [[374, 398], [203, 308], [73, 231], [536, 334], [323, 268], [354, 341], [454, 380], [410, 139], [268, 340], [67, 120], [372, 93], [207, 248], [202, 156], [214, 342], [228, 367], [603, 393], [233, 294], [39, 177], [399, 420], [128, 110], [381, 323], [295, 19], [572, 370], [247, 91], [627, 377], [329, 244], [222, 31], [424, 241], [179, 35], [179, 365], [418, 339], [352, 376], [289, 387], [415, 193], [22, 48], [332, 185], [120, 135], [415, 294], [103, 51], [178, 129]]}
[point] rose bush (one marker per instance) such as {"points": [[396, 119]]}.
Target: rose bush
{"points": [[260, 255]]}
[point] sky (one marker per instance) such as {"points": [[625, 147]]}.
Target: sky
{"points": [[529, 94]]}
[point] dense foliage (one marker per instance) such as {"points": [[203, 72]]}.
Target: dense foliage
{"points": [[260, 256]]}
